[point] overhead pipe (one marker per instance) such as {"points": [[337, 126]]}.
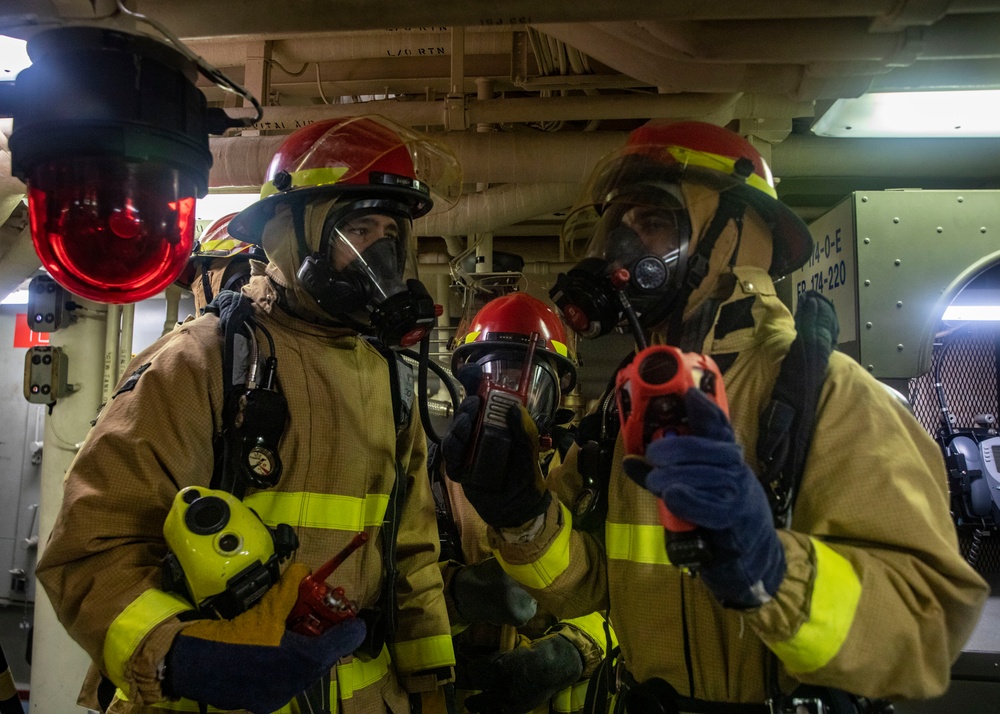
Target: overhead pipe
{"points": [[196, 19], [294, 52], [568, 157], [725, 106]]}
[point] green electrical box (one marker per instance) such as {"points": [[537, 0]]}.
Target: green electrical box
{"points": [[892, 262]]}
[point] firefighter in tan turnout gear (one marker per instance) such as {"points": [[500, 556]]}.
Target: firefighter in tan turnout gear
{"points": [[860, 589], [544, 665], [344, 457]]}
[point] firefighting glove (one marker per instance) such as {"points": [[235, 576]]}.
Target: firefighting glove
{"points": [[519, 495], [252, 662], [529, 675], [703, 479], [485, 593]]}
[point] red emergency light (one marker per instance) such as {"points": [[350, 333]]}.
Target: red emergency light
{"points": [[111, 137]]}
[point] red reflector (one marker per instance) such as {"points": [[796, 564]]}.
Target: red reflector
{"points": [[576, 318], [413, 336], [110, 230]]}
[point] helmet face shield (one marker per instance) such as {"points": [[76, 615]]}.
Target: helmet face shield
{"points": [[373, 246], [644, 229]]}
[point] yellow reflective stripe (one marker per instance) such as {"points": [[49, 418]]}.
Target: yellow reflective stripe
{"points": [[560, 348], [307, 177], [358, 674], [423, 653], [593, 625], [635, 543], [550, 565], [571, 699], [319, 510], [222, 247], [689, 157], [133, 624], [471, 337], [835, 596]]}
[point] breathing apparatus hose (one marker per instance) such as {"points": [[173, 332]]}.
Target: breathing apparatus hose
{"points": [[424, 363]]}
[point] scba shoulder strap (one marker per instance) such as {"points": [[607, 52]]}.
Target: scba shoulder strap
{"points": [[787, 422], [254, 410]]}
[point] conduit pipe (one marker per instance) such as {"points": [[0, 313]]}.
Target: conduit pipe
{"points": [[345, 46], [173, 297], [112, 340], [494, 111], [128, 332]]}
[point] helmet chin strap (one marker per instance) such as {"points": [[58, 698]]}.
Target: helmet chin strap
{"points": [[689, 335]]}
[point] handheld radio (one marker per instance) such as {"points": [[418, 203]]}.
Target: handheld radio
{"points": [[487, 458], [650, 394], [320, 606]]}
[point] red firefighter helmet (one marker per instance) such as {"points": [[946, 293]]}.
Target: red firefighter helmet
{"points": [[364, 157], [216, 244], [702, 153], [507, 323]]}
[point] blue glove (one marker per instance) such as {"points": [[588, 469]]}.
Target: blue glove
{"points": [[703, 479], [252, 662], [519, 495]]}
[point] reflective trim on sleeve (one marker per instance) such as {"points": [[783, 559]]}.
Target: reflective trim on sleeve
{"points": [[550, 565], [571, 699], [424, 653], [133, 624], [835, 595], [358, 674], [635, 543], [319, 510], [593, 625]]}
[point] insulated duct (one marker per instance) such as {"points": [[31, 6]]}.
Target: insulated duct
{"points": [[497, 207]]}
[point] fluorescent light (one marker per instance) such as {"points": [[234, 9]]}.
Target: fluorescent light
{"points": [[216, 205], [960, 313], [13, 57], [914, 114], [18, 297]]}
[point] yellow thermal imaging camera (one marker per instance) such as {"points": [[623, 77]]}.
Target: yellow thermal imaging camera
{"points": [[223, 557]]}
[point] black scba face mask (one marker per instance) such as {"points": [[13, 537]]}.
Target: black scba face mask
{"points": [[369, 292], [637, 257]]}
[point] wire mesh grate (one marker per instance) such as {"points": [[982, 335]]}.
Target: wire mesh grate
{"points": [[966, 361]]}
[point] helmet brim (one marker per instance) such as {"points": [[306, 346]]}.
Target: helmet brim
{"points": [[248, 224]]}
